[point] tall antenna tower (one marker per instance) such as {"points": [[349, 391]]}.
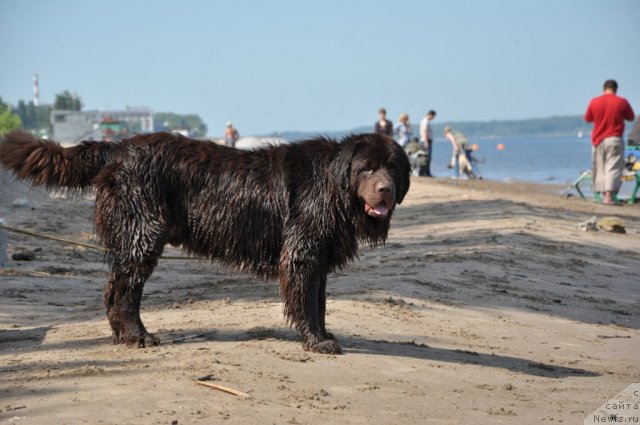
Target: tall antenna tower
{"points": [[36, 90]]}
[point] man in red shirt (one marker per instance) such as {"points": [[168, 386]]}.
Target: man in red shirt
{"points": [[608, 113]]}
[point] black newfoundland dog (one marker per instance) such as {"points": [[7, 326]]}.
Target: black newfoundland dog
{"points": [[293, 212]]}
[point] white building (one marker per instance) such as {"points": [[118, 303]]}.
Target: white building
{"points": [[72, 127]]}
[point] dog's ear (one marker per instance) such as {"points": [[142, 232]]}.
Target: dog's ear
{"points": [[402, 173], [341, 163]]}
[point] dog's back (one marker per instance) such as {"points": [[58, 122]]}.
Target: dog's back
{"points": [[215, 201]]}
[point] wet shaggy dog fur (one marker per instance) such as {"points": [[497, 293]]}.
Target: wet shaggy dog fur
{"points": [[292, 212]]}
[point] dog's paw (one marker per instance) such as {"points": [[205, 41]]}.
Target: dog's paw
{"points": [[327, 346], [144, 340], [141, 340]]}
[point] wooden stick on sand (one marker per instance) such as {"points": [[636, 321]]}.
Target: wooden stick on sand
{"points": [[222, 388]]}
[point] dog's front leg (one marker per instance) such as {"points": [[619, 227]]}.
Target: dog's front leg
{"points": [[302, 288], [322, 309], [315, 336]]}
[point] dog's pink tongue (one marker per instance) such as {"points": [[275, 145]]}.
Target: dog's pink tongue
{"points": [[381, 209]]}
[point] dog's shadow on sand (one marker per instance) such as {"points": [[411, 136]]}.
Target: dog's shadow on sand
{"points": [[33, 339], [363, 346]]}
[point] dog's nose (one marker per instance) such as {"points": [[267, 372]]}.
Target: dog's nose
{"points": [[383, 187]]}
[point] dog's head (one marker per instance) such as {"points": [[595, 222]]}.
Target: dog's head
{"points": [[375, 171]]}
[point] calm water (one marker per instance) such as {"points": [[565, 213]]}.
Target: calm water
{"points": [[556, 160]]}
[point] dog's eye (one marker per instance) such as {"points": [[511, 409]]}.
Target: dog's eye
{"points": [[365, 170]]}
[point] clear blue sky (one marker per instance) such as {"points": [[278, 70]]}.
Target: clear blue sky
{"points": [[323, 65]]}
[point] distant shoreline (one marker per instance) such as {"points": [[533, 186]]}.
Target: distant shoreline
{"points": [[555, 126]]}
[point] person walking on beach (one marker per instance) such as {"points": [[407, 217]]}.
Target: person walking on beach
{"points": [[231, 135], [426, 137], [383, 126], [608, 113], [403, 130]]}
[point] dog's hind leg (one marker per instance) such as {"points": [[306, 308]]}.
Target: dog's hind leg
{"points": [[122, 297], [133, 230]]}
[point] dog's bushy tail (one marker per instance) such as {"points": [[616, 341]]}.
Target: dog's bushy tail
{"points": [[46, 163]]}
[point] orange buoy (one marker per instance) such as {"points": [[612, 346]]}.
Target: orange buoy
{"points": [[500, 146], [475, 147]]}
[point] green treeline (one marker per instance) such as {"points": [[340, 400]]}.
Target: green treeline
{"points": [[533, 127], [552, 126]]}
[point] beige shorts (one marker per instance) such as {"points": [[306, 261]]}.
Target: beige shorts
{"points": [[608, 162]]}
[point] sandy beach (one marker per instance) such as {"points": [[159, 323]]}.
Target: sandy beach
{"points": [[486, 305]]}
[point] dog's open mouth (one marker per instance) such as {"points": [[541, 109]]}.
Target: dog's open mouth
{"points": [[379, 211]]}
